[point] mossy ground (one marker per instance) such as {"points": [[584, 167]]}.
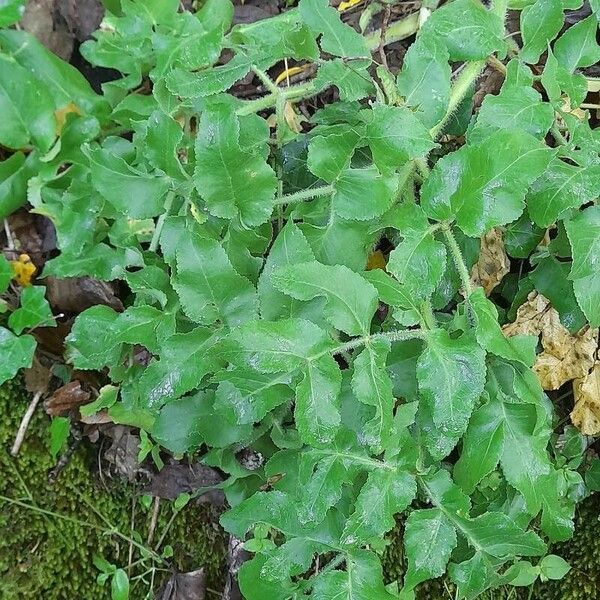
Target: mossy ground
{"points": [[45, 557]]}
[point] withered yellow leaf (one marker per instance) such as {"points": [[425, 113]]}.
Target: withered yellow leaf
{"points": [[293, 120], [493, 263], [348, 4], [62, 113], [23, 270], [586, 412], [376, 260], [565, 356], [290, 72]]}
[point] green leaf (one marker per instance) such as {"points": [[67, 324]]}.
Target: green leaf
{"points": [[395, 135], [540, 24], [429, 539], [362, 580], [524, 459], [162, 138], [27, 108], [490, 336], [176, 425], [554, 567], [470, 576], [563, 186], [330, 149], [106, 398], [208, 286], [467, 28], [384, 494], [34, 311], [372, 386], [351, 301], [245, 396], [425, 79], [517, 107], [317, 412], [337, 38], [418, 261], [550, 278], [133, 193], [60, 428], [521, 237], [451, 376], [289, 248], [283, 345], [119, 585], [363, 194], [487, 187], [501, 537], [63, 81], [6, 274], [11, 11], [185, 359], [482, 447], [17, 353], [393, 293], [321, 484], [583, 231], [93, 343], [351, 78], [577, 47], [15, 172], [232, 174]]}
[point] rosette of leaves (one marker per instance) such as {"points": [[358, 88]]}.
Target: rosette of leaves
{"points": [[245, 249]]}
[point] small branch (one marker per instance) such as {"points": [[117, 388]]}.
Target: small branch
{"points": [[459, 90], [307, 194], [25, 423], [266, 80], [9, 238], [153, 520], [161, 221], [459, 261]]}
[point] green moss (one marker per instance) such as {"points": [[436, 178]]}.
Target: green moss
{"points": [[45, 557], [582, 553]]}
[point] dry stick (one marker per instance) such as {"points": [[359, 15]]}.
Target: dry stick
{"points": [[384, 26], [25, 423], [153, 520]]}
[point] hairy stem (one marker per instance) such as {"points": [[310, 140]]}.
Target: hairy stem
{"points": [[459, 90], [161, 221], [459, 261], [308, 194]]}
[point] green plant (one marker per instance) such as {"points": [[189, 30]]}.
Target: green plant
{"points": [[245, 253]]}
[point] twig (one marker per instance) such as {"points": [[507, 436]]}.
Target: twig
{"points": [[153, 520], [9, 238], [25, 422], [384, 26]]}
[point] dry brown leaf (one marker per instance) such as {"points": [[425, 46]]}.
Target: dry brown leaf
{"points": [[565, 356], [66, 398], [493, 263], [37, 377], [376, 260], [586, 412]]}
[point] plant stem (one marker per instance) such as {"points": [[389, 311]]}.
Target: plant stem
{"points": [[459, 261], [459, 90], [307, 194], [161, 221], [397, 31], [266, 80], [398, 335], [294, 92]]}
